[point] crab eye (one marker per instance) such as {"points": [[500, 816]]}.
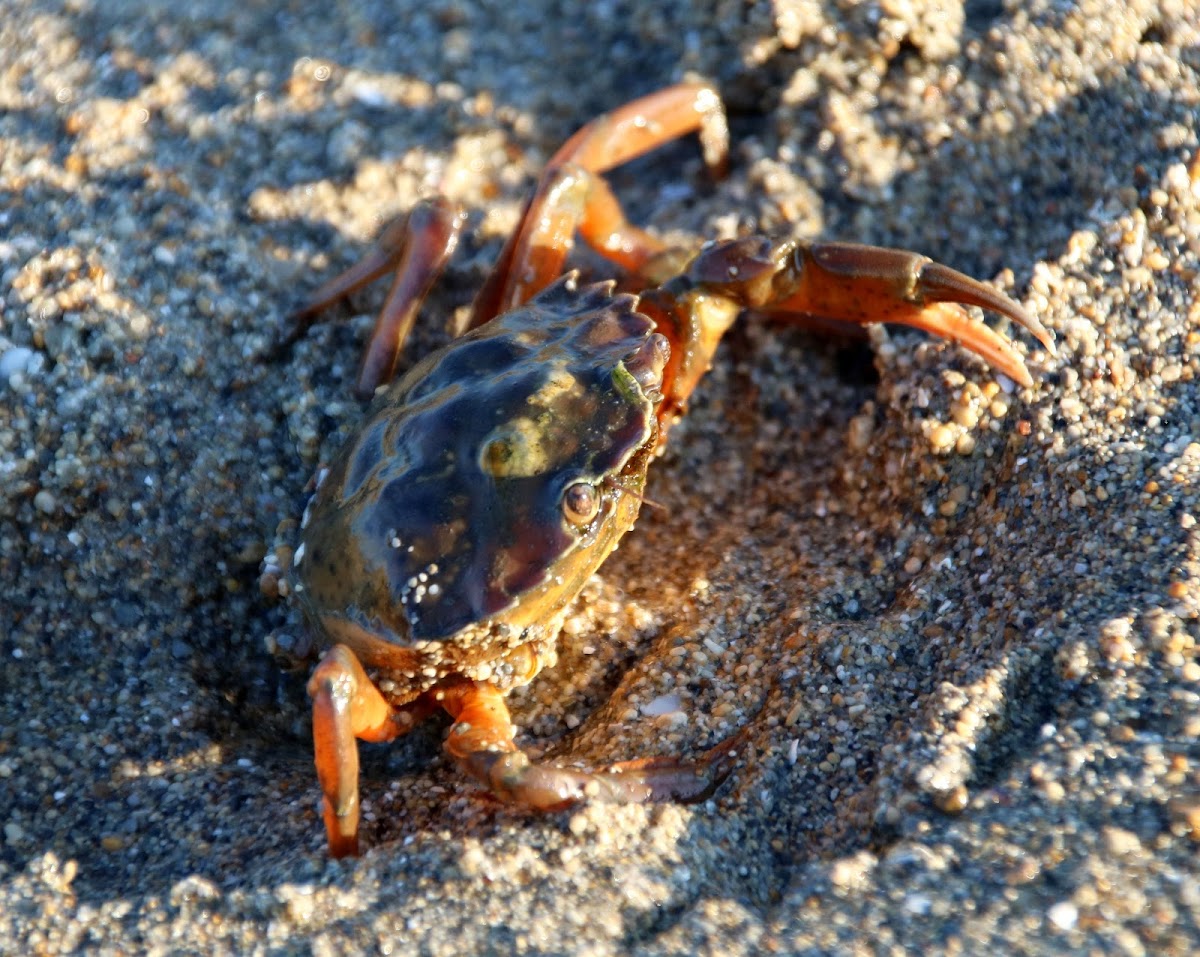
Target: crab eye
{"points": [[581, 503]]}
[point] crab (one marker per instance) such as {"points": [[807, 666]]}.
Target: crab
{"points": [[446, 541]]}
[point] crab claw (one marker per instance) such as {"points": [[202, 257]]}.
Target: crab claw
{"points": [[865, 284], [848, 283]]}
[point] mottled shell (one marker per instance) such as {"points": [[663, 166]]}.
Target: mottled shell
{"points": [[445, 510]]}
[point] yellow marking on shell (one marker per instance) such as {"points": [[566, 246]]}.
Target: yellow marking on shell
{"points": [[559, 382], [517, 449], [528, 446]]}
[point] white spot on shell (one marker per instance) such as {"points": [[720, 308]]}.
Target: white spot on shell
{"points": [[299, 556]]}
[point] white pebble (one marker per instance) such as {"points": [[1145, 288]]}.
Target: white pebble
{"points": [[663, 704], [19, 361], [1063, 915]]}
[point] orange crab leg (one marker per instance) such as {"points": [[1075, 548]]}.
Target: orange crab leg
{"points": [[573, 200], [527, 264], [346, 706], [481, 742], [606, 230], [570, 196], [417, 246], [645, 124], [432, 235], [541, 244]]}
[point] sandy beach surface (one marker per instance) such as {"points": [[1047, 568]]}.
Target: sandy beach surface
{"points": [[957, 617]]}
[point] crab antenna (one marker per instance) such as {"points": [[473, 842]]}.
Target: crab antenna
{"points": [[614, 484]]}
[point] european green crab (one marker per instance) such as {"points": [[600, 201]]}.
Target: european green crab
{"points": [[445, 543]]}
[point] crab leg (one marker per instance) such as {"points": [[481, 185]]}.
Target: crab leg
{"points": [[417, 246], [570, 196], [645, 124], [346, 706], [528, 263], [573, 200], [481, 742]]}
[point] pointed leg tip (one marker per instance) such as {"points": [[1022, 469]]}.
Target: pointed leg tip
{"points": [[1024, 317], [341, 830], [1021, 377], [342, 847], [939, 283], [298, 318]]}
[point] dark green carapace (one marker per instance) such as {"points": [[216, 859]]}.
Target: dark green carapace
{"points": [[461, 493]]}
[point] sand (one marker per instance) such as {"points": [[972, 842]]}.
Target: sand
{"points": [[958, 617]]}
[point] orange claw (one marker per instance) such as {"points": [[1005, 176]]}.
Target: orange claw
{"points": [[870, 284], [849, 283]]}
